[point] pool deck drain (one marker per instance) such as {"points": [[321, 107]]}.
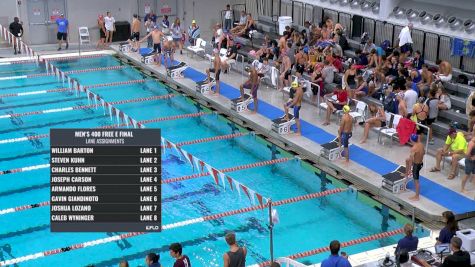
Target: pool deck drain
{"points": [[362, 177]]}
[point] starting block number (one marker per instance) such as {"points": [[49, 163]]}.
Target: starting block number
{"points": [[125, 48], [205, 87], [240, 106], [281, 126], [148, 60]]}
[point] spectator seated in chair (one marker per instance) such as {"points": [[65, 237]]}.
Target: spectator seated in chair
{"points": [[455, 147], [378, 119], [335, 101]]}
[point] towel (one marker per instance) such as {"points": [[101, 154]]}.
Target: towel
{"points": [[404, 130]]}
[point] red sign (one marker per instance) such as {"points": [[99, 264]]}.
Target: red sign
{"points": [[167, 10], [54, 17]]}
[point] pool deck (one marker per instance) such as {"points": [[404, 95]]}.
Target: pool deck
{"points": [[362, 177]]}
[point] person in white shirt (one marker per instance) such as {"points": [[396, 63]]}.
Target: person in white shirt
{"points": [[405, 39], [109, 22], [228, 18], [410, 97]]}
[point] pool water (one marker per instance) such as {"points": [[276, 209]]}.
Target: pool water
{"points": [[303, 225]]}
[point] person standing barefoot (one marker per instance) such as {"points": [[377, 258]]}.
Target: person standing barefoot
{"points": [[415, 162], [102, 32], [345, 132]]}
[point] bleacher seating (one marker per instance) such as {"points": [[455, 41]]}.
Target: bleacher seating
{"points": [[458, 92]]}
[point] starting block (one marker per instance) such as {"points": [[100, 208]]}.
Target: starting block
{"points": [[240, 105], [148, 59], [125, 47], [396, 181], [177, 70], [282, 126], [331, 151], [204, 87]]}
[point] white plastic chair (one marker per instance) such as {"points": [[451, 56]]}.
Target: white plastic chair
{"points": [[388, 119], [84, 37], [448, 159], [390, 132], [360, 111], [198, 47]]}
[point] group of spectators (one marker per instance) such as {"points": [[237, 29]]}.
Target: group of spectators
{"points": [[395, 75], [447, 235]]}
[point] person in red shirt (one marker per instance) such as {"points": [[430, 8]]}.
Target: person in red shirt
{"points": [[338, 99], [180, 260]]}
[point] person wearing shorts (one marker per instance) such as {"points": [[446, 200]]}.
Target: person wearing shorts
{"points": [[216, 72], [345, 139], [216, 69], [469, 163], [63, 28], [345, 132], [415, 161], [295, 104], [135, 28], [109, 23], [253, 84]]}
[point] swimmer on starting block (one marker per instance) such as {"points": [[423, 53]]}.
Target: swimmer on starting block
{"points": [[296, 104], [216, 69], [253, 84], [168, 51]]}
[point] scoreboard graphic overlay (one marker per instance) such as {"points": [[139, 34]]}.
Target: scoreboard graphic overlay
{"points": [[105, 180]]}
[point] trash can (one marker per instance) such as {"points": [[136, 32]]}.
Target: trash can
{"points": [[122, 31], [283, 22]]}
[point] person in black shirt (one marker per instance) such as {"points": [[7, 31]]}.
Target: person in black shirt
{"points": [[17, 30], [458, 258]]}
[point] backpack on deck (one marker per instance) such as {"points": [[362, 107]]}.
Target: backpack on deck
{"points": [[390, 103]]}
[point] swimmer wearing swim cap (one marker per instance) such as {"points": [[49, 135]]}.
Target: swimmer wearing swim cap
{"points": [[345, 132], [414, 163], [346, 108], [296, 104]]}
